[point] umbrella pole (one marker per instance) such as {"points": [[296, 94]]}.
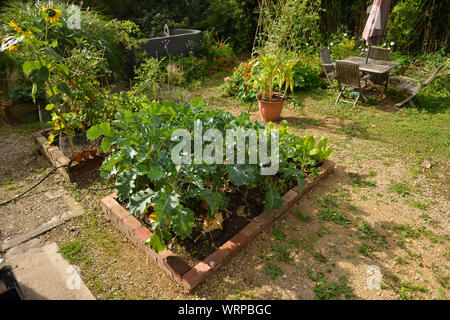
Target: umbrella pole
{"points": [[368, 52]]}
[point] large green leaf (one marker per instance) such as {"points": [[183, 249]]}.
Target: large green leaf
{"points": [[102, 129], [292, 172], [52, 53], [241, 174], [273, 201], [182, 222], [140, 201], [155, 243], [30, 65], [164, 207], [215, 201], [125, 183], [39, 76]]}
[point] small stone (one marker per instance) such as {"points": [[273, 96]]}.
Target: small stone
{"points": [[426, 164], [284, 276]]}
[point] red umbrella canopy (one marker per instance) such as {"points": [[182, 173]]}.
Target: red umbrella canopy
{"points": [[375, 28]]}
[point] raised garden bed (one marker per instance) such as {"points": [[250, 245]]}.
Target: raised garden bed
{"points": [[14, 113], [179, 43], [57, 158], [181, 271]]}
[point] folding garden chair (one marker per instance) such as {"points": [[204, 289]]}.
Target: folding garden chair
{"points": [[383, 54], [327, 64], [348, 77], [413, 86]]}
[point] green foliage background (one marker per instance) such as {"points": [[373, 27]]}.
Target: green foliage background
{"points": [[416, 25]]}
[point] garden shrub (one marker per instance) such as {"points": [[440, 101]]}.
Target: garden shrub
{"points": [[22, 93], [96, 30]]}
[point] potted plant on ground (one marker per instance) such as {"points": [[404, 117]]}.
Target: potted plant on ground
{"points": [[273, 70]]}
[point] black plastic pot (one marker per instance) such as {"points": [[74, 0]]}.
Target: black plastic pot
{"points": [[11, 288]]}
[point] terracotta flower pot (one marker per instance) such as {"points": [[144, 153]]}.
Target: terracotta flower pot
{"points": [[6, 103], [271, 110]]}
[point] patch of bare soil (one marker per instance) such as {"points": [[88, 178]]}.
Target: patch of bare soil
{"points": [[21, 167]]}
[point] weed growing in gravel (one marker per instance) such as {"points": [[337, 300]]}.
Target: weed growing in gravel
{"points": [[327, 202], [440, 275], [417, 204], [429, 220], [320, 256], [273, 270], [72, 251], [323, 230], [283, 253], [367, 250], [366, 232], [277, 234], [402, 189], [405, 232], [330, 290], [302, 216], [360, 181], [404, 289], [334, 215]]}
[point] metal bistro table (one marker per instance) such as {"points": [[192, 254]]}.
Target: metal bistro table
{"points": [[374, 67]]}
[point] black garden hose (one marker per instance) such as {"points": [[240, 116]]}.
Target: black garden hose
{"points": [[23, 193], [48, 175]]}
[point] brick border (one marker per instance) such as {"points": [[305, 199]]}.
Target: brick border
{"points": [[185, 275], [57, 157]]}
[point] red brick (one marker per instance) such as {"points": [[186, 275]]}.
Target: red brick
{"points": [[216, 259], [129, 225], [36, 134], [251, 230], [290, 196], [327, 166], [63, 160], [196, 275], [52, 149], [113, 210], [235, 244], [289, 199], [176, 267], [265, 219], [142, 234]]}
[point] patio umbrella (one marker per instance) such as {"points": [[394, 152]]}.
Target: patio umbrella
{"points": [[375, 28]]}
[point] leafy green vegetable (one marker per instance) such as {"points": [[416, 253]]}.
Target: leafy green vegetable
{"points": [[273, 201], [140, 145]]}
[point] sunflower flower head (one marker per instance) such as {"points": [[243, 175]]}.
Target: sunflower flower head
{"points": [[20, 29], [13, 47], [53, 14]]}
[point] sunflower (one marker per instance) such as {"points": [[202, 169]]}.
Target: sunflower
{"points": [[20, 29], [13, 48], [53, 14]]}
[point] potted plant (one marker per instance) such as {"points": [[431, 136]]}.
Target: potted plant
{"points": [[273, 70]]}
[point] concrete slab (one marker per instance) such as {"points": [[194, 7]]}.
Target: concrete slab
{"points": [[43, 274], [76, 211]]}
